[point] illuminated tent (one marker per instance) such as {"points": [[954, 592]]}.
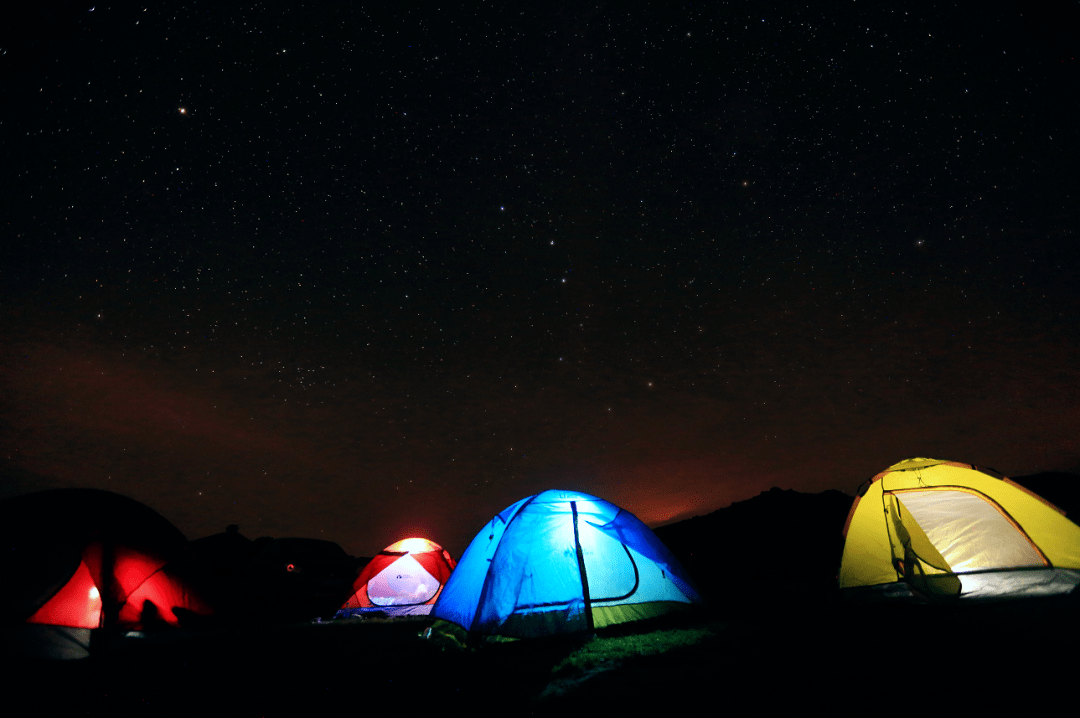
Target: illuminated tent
{"points": [[404, 579], [943, 531], [83, 561], [561, 562]]}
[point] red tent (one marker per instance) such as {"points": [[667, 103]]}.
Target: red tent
{"points": [[406, 578], [83, 561]]}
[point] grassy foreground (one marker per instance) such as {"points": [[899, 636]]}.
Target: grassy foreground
{"points": [[777, 657]]}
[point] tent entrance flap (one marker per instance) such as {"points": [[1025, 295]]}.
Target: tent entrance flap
{"points": [[405, 583], [917, 558]]}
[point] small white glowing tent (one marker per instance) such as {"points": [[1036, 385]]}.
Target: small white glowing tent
{"points": [[404, 579]]}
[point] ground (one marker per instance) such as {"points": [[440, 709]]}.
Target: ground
{"points": [[778, 656]]}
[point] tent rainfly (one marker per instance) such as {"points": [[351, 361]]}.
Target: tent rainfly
{"points": [[562, 562], [80, 562], [405, 579], [933, 530]]}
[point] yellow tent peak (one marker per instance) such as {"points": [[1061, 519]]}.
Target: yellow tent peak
{"points": [[915, 463], [920, 462]]}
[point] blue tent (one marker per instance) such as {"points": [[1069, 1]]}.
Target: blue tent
{"points": [[561, 562]]}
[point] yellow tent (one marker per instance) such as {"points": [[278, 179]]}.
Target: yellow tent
{"points": [[942, 530]]}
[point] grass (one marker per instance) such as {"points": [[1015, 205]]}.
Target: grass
{"points": [[602, 652]]}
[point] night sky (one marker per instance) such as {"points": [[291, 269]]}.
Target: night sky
{"points": [[358, 271]]}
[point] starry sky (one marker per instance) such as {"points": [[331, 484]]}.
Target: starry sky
{"points": [[358, 271]]}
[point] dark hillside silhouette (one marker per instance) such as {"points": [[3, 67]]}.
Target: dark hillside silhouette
{"points": [[781, 545], [1059, 488]]}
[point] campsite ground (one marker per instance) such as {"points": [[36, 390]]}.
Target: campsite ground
{"points": [[775, 655], [772, 635]]}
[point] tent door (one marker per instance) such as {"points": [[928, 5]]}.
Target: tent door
{"points": [[953, 531], [921, 564]]}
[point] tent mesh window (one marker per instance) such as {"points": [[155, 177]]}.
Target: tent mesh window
{"points": [[402, 583], [969, 531]]}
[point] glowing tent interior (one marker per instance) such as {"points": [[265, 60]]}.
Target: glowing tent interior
{"points": [[406, 578], [82, 561], [562, 562], [933, 530]]}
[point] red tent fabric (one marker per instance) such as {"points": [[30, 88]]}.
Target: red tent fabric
{"points": [[77, 604], [82, 560]]}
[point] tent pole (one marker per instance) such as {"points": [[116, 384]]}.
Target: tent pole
{"points": [[581, 570]]}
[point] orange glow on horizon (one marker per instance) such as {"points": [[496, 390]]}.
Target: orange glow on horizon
{"points": [[691, 487]]}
